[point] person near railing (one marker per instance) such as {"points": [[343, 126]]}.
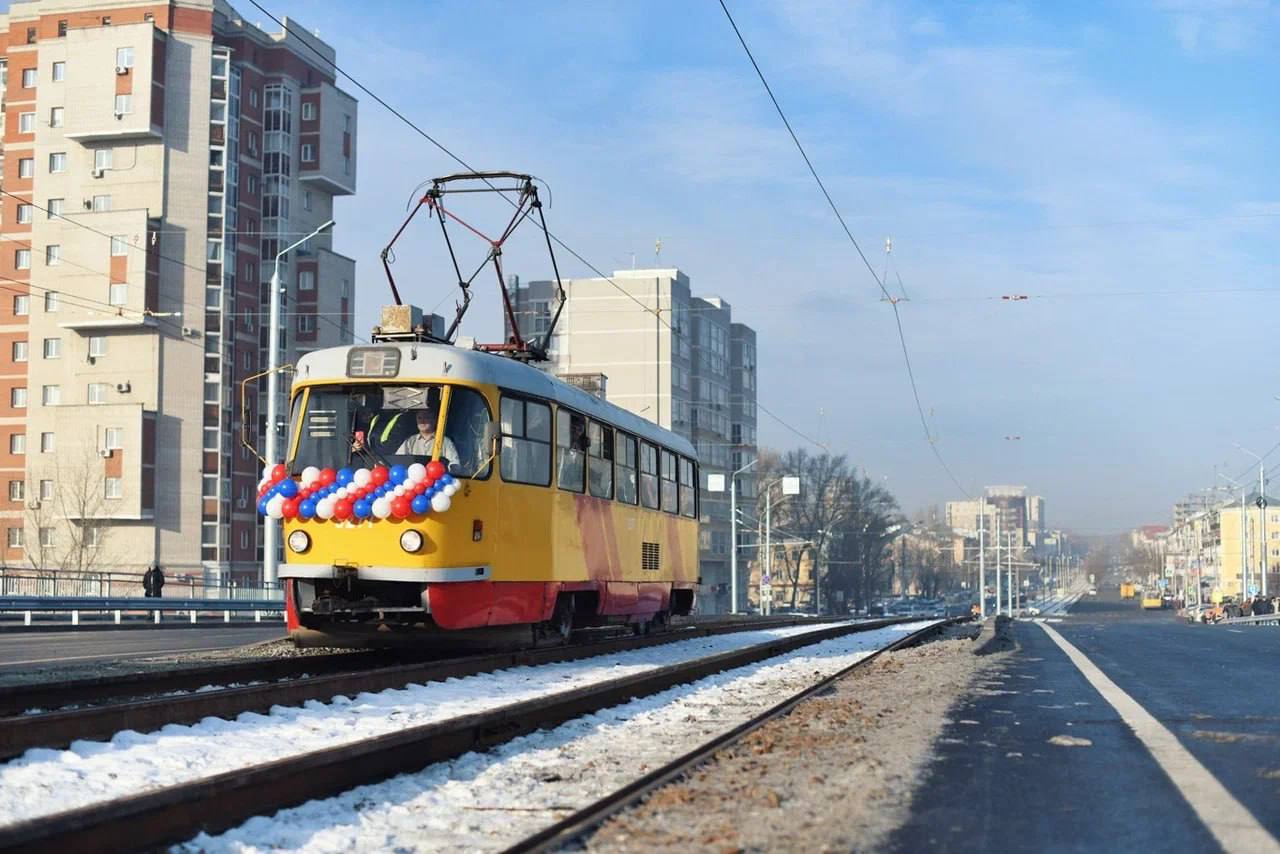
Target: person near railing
{"points": [[153, 581]]}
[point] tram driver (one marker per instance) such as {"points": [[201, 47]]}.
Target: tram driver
{"points": [[421, 442]]}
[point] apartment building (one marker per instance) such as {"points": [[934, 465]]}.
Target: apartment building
{"points": [[156, 158], [1009, 509], [644, 341]]}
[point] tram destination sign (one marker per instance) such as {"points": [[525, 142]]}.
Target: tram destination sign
{"points": [[373, 362]]}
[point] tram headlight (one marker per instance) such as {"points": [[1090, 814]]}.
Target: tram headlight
{"points": [[411, 540], [299, 541]]}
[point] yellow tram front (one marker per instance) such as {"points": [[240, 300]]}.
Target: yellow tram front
{"points": [[430, 488]]}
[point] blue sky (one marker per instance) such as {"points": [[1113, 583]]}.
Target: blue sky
{"points": [[1115, 161]]}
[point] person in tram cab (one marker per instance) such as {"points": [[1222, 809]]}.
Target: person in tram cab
{"points": [[423, 442]]}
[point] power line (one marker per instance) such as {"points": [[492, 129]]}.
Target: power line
{"points": [[893, 301]]}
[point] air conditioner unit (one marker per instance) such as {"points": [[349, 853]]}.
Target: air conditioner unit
{"points": [[119, 116], [97, 173], [34, 504], [105, 453], [123, 388], [189, 331], [122, 69]]}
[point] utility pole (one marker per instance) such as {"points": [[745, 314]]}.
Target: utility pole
{"points": [[998, 600], [733, 534], [1262, 507]]}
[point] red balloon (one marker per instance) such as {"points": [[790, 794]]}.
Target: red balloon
{"points": [[420, 488], [342, 509], [289, 508], [435, 470], [379, 475], [278, 471], [401, 507], [327, 476]]}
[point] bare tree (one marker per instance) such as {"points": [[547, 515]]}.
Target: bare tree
{"points": [[80, 501]]}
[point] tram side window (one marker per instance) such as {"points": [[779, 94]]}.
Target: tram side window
{"points": [[669, 482], [648, 475], [625, 457], [526, 441], [600, 460], [571, 450], [688, 489]]}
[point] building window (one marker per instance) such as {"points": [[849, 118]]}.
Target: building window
{"points": [[97, 393], [19, 351], [252, 188], [119, 245], [57, 162], [308, 153], [46, 538], [18, 399], [59, 72], [124, 57], [308, 112], [22, 259], [31, 35], [53, 348], [53, 255], [55, 117], [101, 203], [46, 490], [306, 200], [97, 346], [253, 97], [26, 167], [21, 305], [92, 536], [17, 490], [26, 122], [47, 443], [118, 293], [28, 78], [62, 28], [124, 105], [51, 395], [306, 280], [102, 158], [51, 301], [24, 213], [15, 538], [106, 20], [18, 443], [306, 323], [113, 487], [148, 16], [113, 439], [54, 208]]}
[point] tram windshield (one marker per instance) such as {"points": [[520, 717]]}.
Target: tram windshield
{"points": [[369, 425]]}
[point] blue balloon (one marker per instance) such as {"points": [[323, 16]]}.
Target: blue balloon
{"points": [[420, 504], [262, 506], [344, 476], [289, 488], [447, 479], [397, 474], [331, 489], [362, 508], [306, 509]]}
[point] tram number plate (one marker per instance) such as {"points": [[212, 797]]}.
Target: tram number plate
{"points": [[375, 362]]}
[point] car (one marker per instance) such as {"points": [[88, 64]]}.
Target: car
{"points": [[1033, 611], [1093, 591]]}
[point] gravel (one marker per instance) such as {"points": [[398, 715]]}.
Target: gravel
{"points": [[837, 774]]}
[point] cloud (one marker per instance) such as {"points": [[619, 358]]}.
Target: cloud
{"points": [[1220, 26]]}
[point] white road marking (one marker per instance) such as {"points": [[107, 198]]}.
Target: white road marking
{"points": [[1227, 819]]}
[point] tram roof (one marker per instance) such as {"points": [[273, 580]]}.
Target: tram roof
{"points": [[422, 362]]}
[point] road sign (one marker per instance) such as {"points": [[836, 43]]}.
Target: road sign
{"points": [[1253, 590], [1168, 572], [1162, 583]]}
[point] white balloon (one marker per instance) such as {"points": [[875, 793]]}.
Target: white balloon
{"points": [[362, 477], [382, 508], [450, 489], [441, 502], [399, 490], [341, 493], [309, 475], [324, 510], [274, 505], [417, 473]]}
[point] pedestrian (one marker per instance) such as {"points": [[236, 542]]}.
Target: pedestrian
{"points": [[157, 580], [149, 582]]}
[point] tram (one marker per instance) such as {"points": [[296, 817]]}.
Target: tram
{"points": [[430, 488]]}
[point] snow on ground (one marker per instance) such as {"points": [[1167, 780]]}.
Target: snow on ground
{"points": [[486, 801], [44, 781]]}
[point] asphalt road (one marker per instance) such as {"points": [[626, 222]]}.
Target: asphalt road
{"points": [[36, 649], [1039, 760]]}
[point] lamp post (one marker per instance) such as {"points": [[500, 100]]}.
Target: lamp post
{"points": [[790, 486], [1262, 512], [273, 389]]}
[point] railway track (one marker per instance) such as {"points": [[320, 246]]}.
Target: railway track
{"points": [[144, 705], [219, 802]]}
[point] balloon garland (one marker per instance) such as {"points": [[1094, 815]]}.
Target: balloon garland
{"points": [[397, 492]]}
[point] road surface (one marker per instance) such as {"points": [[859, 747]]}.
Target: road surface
{"points": [[1041, 760], [36, 649]]}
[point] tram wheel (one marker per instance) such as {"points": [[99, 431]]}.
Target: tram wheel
{"points": [[561, 625]]}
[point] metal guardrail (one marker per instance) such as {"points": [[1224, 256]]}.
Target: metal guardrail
{"points": [[1263, 620], [34, 582], [117, 606]]}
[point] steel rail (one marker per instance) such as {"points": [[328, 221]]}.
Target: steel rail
{"points": [[574, 827], [218, 803], [21, 732]]}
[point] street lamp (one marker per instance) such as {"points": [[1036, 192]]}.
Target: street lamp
{"points": [[273, 389], [790, 486], [715, 483], [1262, 511]]}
